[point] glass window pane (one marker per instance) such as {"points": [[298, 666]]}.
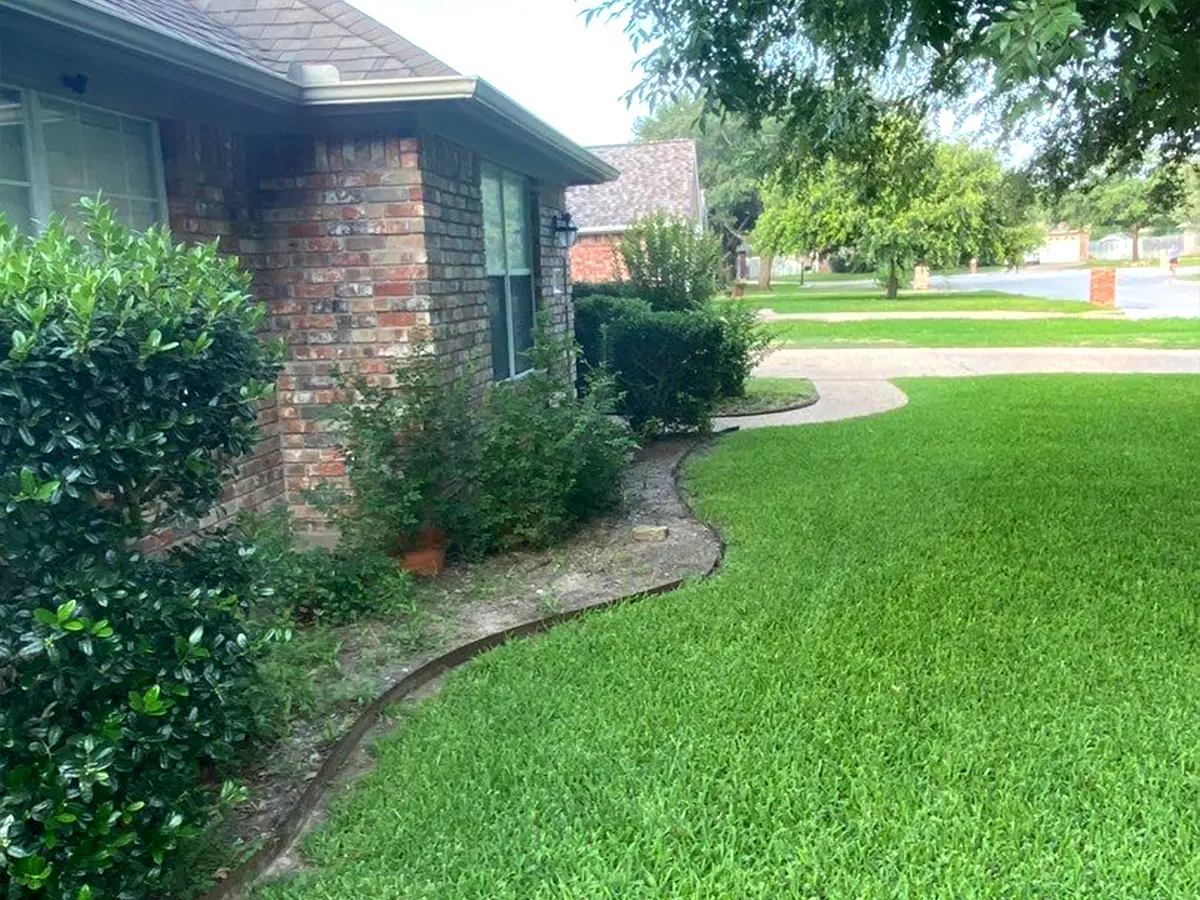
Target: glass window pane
{"points": [[142, 214], [140, 153], [516, 222], [493, 221], [64, 145], [14, 203], [103, 152], [12, 136], [63, 201], [498, 320], [522, 318]]}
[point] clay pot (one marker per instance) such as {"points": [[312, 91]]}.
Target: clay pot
{"points": [[428, 557]]}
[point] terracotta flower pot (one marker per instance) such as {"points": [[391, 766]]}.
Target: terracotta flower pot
{"points": [[428, 557]]}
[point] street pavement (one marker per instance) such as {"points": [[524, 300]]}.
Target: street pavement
{"points": [[1141, 292]]}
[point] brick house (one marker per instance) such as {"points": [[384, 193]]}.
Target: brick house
{"points": [[656, 176], [378, 196]]}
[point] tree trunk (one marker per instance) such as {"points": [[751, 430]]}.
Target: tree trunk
{"points": [[764, 270], [1134, 229], [803, 265], [893, 283]]}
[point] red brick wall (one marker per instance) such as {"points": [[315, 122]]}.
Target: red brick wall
{"points": [[362, 246], [208, 197], [595, 257]]}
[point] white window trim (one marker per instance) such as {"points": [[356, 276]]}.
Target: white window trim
{"points": [[40, 208], [534, 241]]}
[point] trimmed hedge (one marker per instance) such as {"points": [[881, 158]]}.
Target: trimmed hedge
{"points": [[668, 365]]}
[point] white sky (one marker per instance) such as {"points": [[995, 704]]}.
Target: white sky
{"points": [[539, 52]]}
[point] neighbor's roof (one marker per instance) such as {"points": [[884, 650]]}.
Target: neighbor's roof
{"points": [[656, 176], [272, 34]]}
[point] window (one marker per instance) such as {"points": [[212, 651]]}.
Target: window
{"points": [[508, 236], [52, 152]]}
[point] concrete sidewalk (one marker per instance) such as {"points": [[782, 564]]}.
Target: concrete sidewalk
{"points": [[901, 362]]}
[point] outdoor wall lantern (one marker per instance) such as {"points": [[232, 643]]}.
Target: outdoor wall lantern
{"points": [[564, 229]]}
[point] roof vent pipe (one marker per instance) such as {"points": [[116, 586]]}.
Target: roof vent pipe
{"points": [[313, 74]]}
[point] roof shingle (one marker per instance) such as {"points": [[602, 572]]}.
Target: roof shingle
{"points": [[273, 34], [656, 176]]}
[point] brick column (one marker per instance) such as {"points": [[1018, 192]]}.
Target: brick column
{"points": [[344, 270], [1102, 288]]}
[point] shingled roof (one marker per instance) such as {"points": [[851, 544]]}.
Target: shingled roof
{"points": [[273, 34], [656, 176]]}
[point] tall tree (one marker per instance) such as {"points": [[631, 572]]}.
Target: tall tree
{"points": [[1106, 80], [1128, 201], [911, 201]]}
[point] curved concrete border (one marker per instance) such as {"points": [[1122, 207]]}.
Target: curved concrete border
{"points": [[787, 407], [294, 823]]}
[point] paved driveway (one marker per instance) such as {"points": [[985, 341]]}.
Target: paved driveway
{"points": [[1140, 292]]}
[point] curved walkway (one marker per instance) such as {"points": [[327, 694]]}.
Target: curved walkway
{"points": [[855, 382]]}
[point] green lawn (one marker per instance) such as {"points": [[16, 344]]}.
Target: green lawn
{"points": [[872, 300], [992, 333], [954, 652], [766, 394]]}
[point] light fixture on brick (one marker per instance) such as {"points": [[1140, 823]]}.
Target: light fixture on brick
{"points": [[564, 229]]}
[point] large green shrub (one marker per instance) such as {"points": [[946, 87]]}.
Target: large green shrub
{"points": [[130, 376], [746, 342], [521, 466], [671, 262], [670, 368], [547, 459]]}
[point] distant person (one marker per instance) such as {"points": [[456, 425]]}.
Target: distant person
{"points": [[1173, 259]]}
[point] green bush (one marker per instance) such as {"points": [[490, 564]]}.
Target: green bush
{"points": [[670, 368], [581, 290], [746, 342], [410, 454], [591, 314], [671, 262], [129, 379], [547, 460], [520, 467], [258, 560], [130, 375]]}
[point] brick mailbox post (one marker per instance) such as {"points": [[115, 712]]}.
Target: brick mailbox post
{"points": [[1102, 290]]}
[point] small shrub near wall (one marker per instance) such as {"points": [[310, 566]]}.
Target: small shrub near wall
{"points": [[521, 468], [672, 263], [130, 376]]}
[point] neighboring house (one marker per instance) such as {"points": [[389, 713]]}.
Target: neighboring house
{"points": [[656, 176], [1064, 245], [379, 197]]}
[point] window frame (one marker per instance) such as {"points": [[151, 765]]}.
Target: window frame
{"points": [[530, 270], [36, 163]]}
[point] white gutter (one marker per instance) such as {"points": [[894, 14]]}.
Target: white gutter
{"points": [[147, 40], [468, 89]]}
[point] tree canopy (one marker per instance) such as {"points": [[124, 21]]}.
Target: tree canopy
{"points": [[1102, 82], [1160, 198], [912, 200]]}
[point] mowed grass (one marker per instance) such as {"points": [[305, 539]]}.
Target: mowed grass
{"points": [[1066, 332], [766, 394], [953, 652], [804, 300]]}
